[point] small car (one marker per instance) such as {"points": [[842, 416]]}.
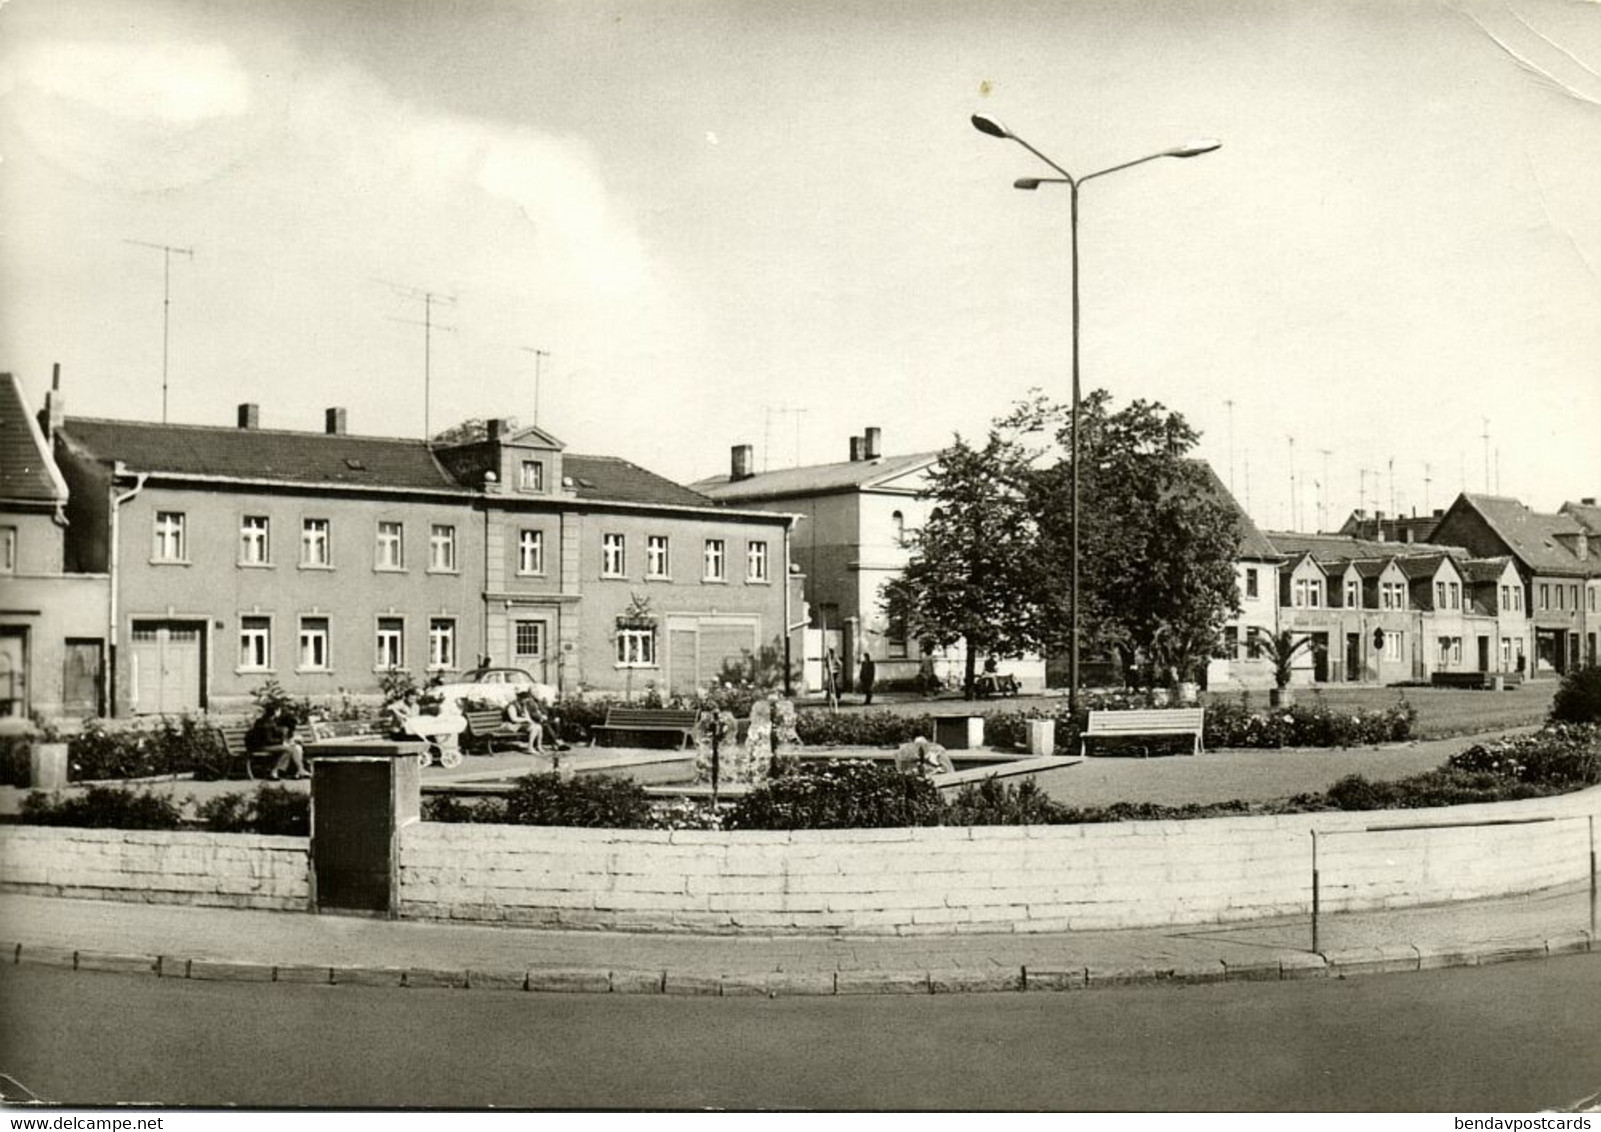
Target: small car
{"points": [[495, 685]]}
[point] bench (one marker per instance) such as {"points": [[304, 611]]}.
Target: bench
{"points": [[647, 721], [233, 736], [1126, 724], [486, 728], [1477, 680]]}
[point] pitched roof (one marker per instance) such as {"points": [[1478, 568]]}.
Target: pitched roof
{"points": [[27, 472], [611, 479], [1330, 548], [1530, 535], [1423, 565], [1252, 544], [262, 454], [814, 479], [1485, 569], [1588, 515]]}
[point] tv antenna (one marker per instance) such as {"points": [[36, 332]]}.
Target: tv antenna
{"points": [[539, 356], [429, 299], [767, 430], [1230, 404], [167, 252], [1323, 490]]}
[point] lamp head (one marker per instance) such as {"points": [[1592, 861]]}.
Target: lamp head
{"points": [[990, 126], [1027, 183], [1194, 148]]}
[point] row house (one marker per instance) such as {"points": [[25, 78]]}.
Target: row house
{"points": [[324, 560], [1558, 562], [53, 622], [851, 540]]}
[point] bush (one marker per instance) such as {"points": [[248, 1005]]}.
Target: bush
{"points": [[992, 802], [449, 808], [589, 801], [1578, 698], [849, 794], [103, 807], [273, 810], [819, 728], [1233, 724], [1563, 755], [183, 746]]}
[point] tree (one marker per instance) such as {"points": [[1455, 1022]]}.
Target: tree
{"points": [[973, 571], [1158, 537]]}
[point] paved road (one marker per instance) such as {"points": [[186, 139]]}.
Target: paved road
{"points": [[1514, 1037]]}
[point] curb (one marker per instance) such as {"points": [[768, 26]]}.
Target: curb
{"points": [[1341, 964]]}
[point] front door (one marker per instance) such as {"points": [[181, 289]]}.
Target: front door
{"points": [[530, 641], [81, 676], [165, 667], [1320, 657], [1353, 656], [1484, 654]]}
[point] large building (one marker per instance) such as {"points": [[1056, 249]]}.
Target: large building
{"points": [[323, 560]]}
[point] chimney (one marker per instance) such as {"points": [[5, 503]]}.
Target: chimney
{"points": [[1439, 512], [739, 462], [1588, 501], [54, 408], [495, 428], [870, 442], [857, 445], [249, 415], [334, 421]]}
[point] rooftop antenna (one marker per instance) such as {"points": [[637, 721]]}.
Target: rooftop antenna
{"points": [[1247, 483], [167, 252], [1498, 469], [1323, 491], [1230, 404], [429, 298], [1295, 510], [784, 410], [539, 356], [1486, 437], [1394, 506], [1427, 480], [1362, 491]]}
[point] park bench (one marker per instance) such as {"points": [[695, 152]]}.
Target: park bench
{"points": [[233, 737], [486, 728], [646, 721], [1130, 724]]}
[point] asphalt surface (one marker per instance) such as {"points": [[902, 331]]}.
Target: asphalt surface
{"points": [[1516, 1037]]}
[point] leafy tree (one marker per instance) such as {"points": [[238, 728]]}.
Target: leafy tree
{"points": [[973, 572]]}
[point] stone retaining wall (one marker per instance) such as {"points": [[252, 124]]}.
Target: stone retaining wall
{"points": [[233, 870], [1022, 879]]}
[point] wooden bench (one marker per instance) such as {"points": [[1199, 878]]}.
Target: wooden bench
{"points": [[233, 736], [1127, 724], [486, 728], [647, 721]]}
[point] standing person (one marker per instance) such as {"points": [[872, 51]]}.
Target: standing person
{"points": [[865, 677], [831, 674]]}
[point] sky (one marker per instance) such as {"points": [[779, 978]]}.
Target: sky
{"points": [[754, 222]]}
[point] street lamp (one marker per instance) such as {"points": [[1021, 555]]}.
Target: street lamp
{"points": [[994, 129]]}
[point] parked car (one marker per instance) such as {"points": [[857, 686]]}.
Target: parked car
{"points": [[496, 686]]}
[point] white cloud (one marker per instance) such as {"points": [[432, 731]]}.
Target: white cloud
{"points": [[179, 83]]}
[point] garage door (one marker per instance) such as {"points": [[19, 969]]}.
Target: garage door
{"points": [[165, 666]]}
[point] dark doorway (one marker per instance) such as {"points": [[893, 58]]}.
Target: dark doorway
{"points": [[1353, 656], [83, 677], [1484, 654]]}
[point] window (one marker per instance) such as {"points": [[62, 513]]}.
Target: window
{"points": [[255, 643], [1445, 650], [1455, 590], [254, 547], [528, 640], [1559, 598], [1506, 654], [1393, 595], [1517, 598], [714, 560], [656, 561], [1439, 595], [1231, 643], [441, 642], [8, 550], [314, 542], [1308, 592], [1353, 595], [531, 477], [613, 556], [636, 648], [1545, 596], [1506, 597], [1573, 594], [391, 651], [391, 549], [1592, 594], [897, 648], [1252, 584], [1253, 643], [442, 547], [531, 552], [314, 644], [171, 546], [1393, 649], [897, 522], [1456, 650], [756, 562]]}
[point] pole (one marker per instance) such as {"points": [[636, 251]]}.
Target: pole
{"points": [[1316, 894], [1592, 879], [427, 365], [1072, 662]]}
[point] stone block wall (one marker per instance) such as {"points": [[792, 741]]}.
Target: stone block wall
{"points": [[987, 879], [230, 870]]}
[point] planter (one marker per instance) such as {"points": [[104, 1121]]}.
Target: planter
{"points": [[1188, 692], [47, 766], [959, 732], [1281, 697], [1042, 736]]}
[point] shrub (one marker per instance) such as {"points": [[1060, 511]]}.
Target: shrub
{"points": [[993, 802], [591, 800], [274, 810], [103, 807], [182, 746], [1578, 698], [449, 808], [1232, 724], [1566, 755], [847, 794], [819, 728]]}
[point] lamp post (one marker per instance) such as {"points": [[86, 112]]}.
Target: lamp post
{"points": [[994, 129]]}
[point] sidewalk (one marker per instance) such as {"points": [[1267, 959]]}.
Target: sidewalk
{"points": [[206, 943]]}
